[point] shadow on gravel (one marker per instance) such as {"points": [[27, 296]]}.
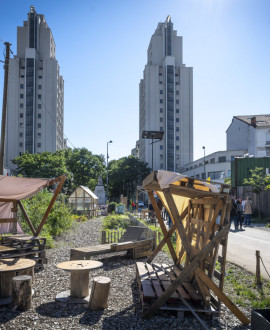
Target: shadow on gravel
{"points": [[58, 310], [7, 315]]}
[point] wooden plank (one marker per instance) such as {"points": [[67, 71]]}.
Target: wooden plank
{"points": [[157, 287], [162, 225], [142, 271], [204, 201], [199, 222], [186, 272], [148, 291], [27, 218], [160, 272], [232, 307], [12, 220], [166, 285], [142, 254], [151, 271]]}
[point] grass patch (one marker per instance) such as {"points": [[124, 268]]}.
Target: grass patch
{"points": [[261, 221], [240, 286], [116, 221]]}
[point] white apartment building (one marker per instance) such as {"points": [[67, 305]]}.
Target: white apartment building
{"points": [[35, 111], [166, 102], [217, 165], [251, 133]]}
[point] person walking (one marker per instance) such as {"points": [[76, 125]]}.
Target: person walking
{"points": [[247, 211], [239, 213], [233, 213]]}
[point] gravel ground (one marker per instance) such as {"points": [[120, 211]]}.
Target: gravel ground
{"points": [[124, 308]]}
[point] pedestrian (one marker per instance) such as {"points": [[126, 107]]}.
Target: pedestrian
{"points": [[233, 213], [239, 213], [133, 206], [247, 211]]}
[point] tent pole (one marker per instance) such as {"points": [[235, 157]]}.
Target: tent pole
{"points": [[27, 218], [57, 191]]}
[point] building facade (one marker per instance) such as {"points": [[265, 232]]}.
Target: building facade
{"points": [[216, 166], [166, 102], [251, 133], [35, 93]]}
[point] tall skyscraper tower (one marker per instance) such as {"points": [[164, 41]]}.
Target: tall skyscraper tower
{"points": [[35, 93], [166, 102]]}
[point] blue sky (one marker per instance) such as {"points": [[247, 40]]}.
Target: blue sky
{"points": [[101, 47]]}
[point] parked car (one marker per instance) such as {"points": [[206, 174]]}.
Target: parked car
{"points": [[140, 204]]}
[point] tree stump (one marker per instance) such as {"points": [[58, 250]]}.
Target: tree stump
{"points": [[21, 292], [99, 293]]}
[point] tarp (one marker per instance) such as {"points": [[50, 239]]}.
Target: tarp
{"points": [[15, 189]]}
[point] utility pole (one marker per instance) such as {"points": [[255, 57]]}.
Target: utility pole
{"points": [[4, 108]]}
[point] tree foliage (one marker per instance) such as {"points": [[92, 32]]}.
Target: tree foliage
{"points": [[80, 165], [124, 176]]}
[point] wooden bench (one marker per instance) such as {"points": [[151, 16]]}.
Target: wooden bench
{"points": [[154, 279]]}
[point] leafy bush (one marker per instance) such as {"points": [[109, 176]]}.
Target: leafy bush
{"points": [[112, 207], [117, 221], [59, 219]]}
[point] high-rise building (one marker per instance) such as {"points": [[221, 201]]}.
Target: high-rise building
{"points": [[166, 102], [35, 110]]}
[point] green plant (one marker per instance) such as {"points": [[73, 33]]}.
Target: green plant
{"points": [[116, 221], [59, 219], [112, 207]]}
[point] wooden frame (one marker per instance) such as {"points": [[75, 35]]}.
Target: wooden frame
{"points": [[199, 237]]}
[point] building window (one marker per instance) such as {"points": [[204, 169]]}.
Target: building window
{"points": [[160, 74], [21, 85], [177, 110], [177, 138], [39, 125], [39, 145], [161, 120], [177, 92], [21, 125], [39, 96], [218, 175], [177, 129], [39, 86], [21, 134], [177, 101], [39, 115], [20, 144], [161, 91], [161, 129], [21, 105], [160, 101], [177, 156], [161, 166], [161, 156], [160, 82], [39, 77], [212, 160], [21, 96], [22, 75], [177, 147], [39, 106], [222, 159], [161, 147], [21, 115], [161, 110], [177, 120], [39, 135]]}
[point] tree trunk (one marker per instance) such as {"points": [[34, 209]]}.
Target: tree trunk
{"points": [[22, 292], [99, 293]]}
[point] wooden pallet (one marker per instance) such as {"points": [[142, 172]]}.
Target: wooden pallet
{"points": [[154, 279], [24, 246]]}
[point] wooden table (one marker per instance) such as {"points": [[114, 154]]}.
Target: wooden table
{"points": [[10, 268], [79, 280]]}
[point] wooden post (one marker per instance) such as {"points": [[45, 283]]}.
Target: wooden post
{"points": [[258, 270], [27, 218], [21, 292], [99, 293], [57, 191], [79, 283]]}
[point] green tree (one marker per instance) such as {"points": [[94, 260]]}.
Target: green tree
{"points": [[124, 176], [85, 167], [259, 181]]}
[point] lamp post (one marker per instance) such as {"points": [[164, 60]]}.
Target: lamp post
{"points": [[107, 168], [153, 135], [204, 162]]}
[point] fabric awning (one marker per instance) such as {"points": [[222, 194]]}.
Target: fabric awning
{"points": [[14, 188]]}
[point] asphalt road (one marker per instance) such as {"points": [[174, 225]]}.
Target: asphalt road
{"points": [[242, 246]]}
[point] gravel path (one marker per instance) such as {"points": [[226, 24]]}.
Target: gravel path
{"points": [[124, 308]]}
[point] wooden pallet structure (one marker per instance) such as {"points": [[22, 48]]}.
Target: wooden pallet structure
{"points": [[200, 212], [24, 246], [131, 241]]}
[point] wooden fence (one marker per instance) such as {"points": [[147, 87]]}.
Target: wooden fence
{"points": [[111, 236]]}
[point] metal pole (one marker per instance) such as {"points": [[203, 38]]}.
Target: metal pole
{"points": [[152, 154], [4, 108], [204, 162], [107, 170]]}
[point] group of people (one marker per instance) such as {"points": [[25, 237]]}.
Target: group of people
{"points": [[241, 210]]}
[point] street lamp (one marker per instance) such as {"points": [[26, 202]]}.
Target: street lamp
{"points": [[107, 169], [157, 135], [204, 161]]}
